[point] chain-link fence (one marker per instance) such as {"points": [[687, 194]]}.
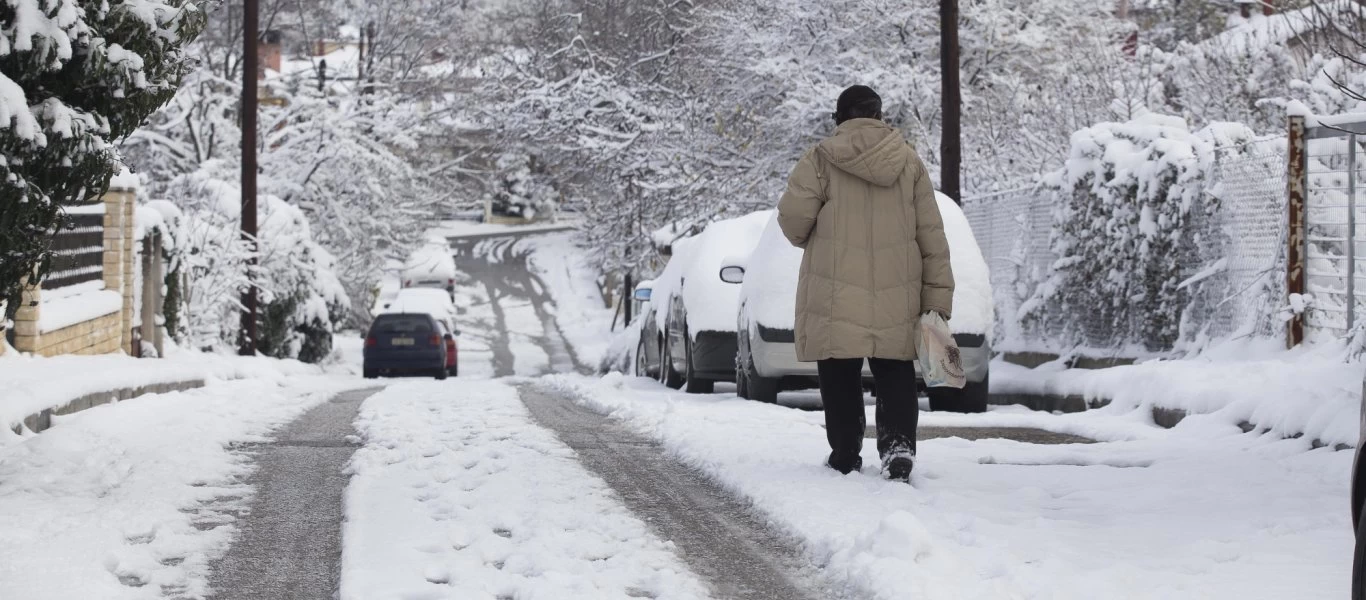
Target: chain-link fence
{"points": [[1232, 266], [1012, 229]]}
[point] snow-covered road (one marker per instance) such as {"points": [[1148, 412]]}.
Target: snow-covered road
{"points": [[471, 489]]}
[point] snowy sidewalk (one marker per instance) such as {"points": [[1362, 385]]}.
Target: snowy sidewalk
{"points": [[132, 500], [1200, 511], [33, 384], [457, 494]]}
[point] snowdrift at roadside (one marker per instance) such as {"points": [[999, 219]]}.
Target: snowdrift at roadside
{"points": [[1310, 391]]}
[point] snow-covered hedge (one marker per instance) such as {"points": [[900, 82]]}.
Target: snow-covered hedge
{"points": [[302, 299], [1131, 227]]}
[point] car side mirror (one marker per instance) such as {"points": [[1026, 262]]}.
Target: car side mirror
{"points": [[733, 274], [450, 336], [642, 294]]}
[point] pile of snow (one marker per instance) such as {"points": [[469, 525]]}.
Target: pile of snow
{"points": [[470, 499], [135, 499], [1314, 392], [1194, 512], [90, 301], [33, 384], [770, 286], [694, 271]]}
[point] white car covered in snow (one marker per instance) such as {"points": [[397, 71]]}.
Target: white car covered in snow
{"points": [[767, 353], [431, 266], [687, 337]]}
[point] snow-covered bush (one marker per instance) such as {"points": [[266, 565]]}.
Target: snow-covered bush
{"points": [[302, 299], [1128, 229], [524, 188], [75, 76]]}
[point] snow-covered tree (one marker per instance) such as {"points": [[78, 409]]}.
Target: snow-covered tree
{"points": [[75, 76]]}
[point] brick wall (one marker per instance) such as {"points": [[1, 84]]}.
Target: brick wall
{"points": [[103, 335]]}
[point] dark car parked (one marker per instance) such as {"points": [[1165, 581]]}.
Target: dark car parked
{"points": [[405, 344]]}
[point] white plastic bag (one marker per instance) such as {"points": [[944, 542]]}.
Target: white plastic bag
{"points": [[940, 363]]}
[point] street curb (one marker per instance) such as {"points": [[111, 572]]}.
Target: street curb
{"points": [[1164, 417], [42, 421]]}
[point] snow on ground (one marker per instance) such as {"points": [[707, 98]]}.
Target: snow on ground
{"points": [[572, 280], [1315, 391], [1199, 511], [122, 501], [34, 383], [457, 494]]}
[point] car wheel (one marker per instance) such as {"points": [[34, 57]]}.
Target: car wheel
{"points": [[667, 375], [1359, 561], [971, 399], [757, 387], [694, 385], [741, 380], [369, 373], [441, 374], [642, 366], [763, 389]]}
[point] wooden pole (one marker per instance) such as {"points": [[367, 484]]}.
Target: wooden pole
{"points": [[1296, 187], [950, 143], [250, 60]]}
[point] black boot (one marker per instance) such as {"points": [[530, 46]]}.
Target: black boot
{"points": [[898, 466], [844, 466]]}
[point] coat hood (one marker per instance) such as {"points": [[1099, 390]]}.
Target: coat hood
{"points": [[868, 149]]}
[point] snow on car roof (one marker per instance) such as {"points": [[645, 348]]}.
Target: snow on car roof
{"points": [[770, 286], [695, 268], [432, 261], [423, 300]]}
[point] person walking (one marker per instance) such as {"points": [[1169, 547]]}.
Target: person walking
{"points": [[862, 207]]}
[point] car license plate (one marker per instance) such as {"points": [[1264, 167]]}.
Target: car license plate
{"points": [[402, 341]]}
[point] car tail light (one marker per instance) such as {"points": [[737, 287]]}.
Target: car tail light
{"points": [[371, 341], [435, 340]]}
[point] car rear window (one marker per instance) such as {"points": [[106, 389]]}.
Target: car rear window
{"points": [[402, 324]]}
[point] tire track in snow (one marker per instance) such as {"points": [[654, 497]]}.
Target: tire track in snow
{"points": [[717, 535]]}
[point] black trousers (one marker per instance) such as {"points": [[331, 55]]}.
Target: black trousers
{"points": [[898, 410]]}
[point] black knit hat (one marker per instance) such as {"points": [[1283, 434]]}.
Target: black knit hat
{"points": [[859, 100]]}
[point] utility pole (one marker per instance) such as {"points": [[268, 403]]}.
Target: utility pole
{"points": [[950, 143], [250, 59]]}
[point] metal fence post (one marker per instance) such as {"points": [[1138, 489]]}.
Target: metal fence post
{"points": [[1296, 188], [1351, 230]]}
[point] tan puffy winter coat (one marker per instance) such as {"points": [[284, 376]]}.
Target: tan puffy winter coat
{"points": [[862, 206]]}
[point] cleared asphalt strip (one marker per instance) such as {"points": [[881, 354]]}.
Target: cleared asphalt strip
{"points": [[718, 536], [289, 545]]}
